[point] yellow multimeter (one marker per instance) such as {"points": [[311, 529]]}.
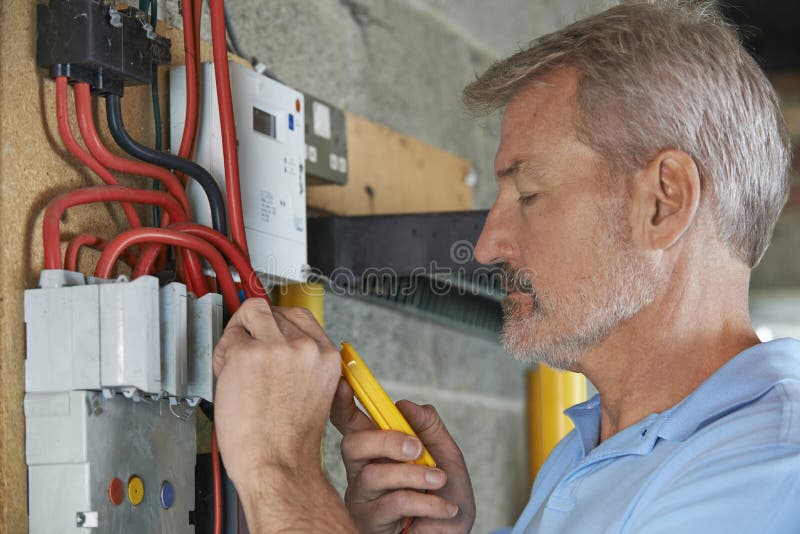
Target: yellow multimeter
{"points": [[375, 399]]}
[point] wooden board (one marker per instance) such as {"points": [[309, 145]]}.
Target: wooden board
{"points": [[390, 173], [34, 168], [393, 173]]}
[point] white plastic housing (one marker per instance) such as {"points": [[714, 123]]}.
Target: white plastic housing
{"points": [[270, 133]]}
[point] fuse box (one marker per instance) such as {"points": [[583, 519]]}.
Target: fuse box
{"points": [[113, 371], [270, 133], [94, 42]]}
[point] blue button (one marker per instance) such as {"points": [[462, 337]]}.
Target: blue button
{"points": [[291, 121], [167, 495]]}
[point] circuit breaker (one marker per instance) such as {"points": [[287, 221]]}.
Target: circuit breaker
{"points": [[98, 464], [113, 371], [270, 129]]}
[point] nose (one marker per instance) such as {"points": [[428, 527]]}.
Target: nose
{"points": [[496, 244]]}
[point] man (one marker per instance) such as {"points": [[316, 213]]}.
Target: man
{"points": [[641, 168]]}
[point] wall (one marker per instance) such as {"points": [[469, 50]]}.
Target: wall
{"points": [[399, 62], [403, 63]]}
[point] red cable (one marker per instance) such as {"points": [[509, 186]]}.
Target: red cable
{"points": [[195, 7], [113, 193], [91, 241], [215, 468], [198, 12], [250, 282], [62, 114], [83, 104], [170, 237], [190, 58], [227, 124]]}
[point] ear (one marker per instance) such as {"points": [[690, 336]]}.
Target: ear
{"points": [[665, 197]]}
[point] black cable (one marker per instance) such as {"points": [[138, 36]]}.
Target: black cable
{"points": [[234, 42], [233, 46], [219, 219]]}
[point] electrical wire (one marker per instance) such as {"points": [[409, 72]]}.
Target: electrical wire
{"points": [[83, 104], [91, 241], [62, 114], [234, 42], [196, 9], [159, 144], [249, 279], [215, 467], [260, 67], [191, 59], [164, 236], [227, 125], [55, 210], [164, 159]]}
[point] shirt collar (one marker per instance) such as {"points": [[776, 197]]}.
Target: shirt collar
{"points": [[745, 377], [586, 418]]}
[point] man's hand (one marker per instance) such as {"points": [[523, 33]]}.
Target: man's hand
{"points": [[276, 376], [383, 489]]}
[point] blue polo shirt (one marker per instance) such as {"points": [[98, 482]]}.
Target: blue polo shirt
{"points": [[725, 459]]}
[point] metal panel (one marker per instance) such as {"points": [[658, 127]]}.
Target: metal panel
{"points": [[120, 438]]}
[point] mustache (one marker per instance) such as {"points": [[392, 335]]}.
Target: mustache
{"points": [[516, 280]]}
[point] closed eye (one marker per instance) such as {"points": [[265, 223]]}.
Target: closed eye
{"points": [[524, 200]]}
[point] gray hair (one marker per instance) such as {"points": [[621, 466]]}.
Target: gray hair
{"points": [[668, 75]]}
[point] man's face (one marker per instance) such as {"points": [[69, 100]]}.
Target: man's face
{"points": [[560, 227]]}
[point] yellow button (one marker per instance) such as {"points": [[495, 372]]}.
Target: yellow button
{"points": [[135, 490]]}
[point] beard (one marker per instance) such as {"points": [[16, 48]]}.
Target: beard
{"points": [[557, 329]]}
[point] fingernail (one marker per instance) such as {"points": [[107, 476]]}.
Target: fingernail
{"points": [[412, 448], [434, 476], [452, 509]]}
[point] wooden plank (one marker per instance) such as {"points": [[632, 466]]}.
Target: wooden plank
{"points": [[393, 173], [34, 168]]}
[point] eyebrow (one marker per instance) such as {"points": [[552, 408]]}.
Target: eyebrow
{"points": [[518, 166]]}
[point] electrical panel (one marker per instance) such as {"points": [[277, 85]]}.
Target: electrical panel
{"points": [[113, 371], [94, 42], [326, 143], [270, 132], [98, 464]]}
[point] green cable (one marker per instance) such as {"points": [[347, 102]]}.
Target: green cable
{"points": [[156, 103]]}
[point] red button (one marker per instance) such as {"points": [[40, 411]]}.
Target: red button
{"points": [[115, 491], [297, 105]]}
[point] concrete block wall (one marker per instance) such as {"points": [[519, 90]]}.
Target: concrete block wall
{"points": [[404, 63]]}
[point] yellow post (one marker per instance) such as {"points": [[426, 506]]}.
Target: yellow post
{"points": [[550, 392], [309, 295]]}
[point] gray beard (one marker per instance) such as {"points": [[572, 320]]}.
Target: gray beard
{"points": [[559, 329]]}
